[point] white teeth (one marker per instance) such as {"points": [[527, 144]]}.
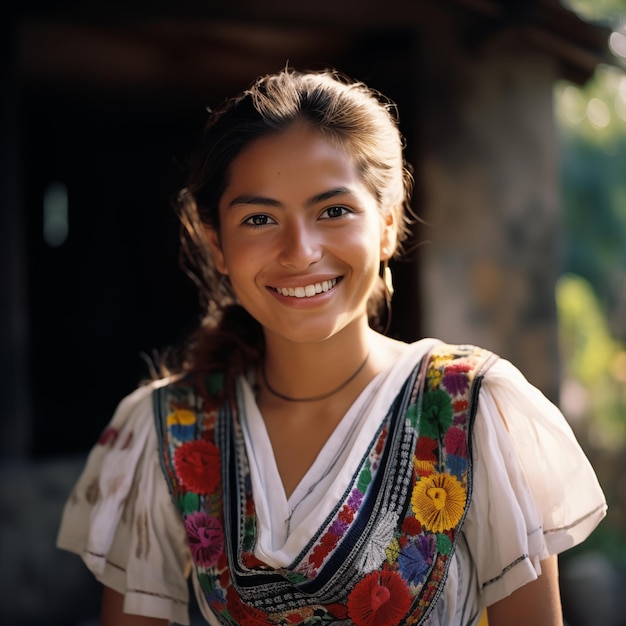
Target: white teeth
{"points": [[308, 290]]}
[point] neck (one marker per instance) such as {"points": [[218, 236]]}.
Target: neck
{"points": [[303, 371]]}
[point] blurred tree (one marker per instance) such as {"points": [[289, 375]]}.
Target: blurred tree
{"points": [[591, 295], [592, 120]]}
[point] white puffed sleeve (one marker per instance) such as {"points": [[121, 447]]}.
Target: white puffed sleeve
{"points": [[534, 491], [121, 520]]}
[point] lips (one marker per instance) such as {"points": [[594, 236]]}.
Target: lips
{"points": [[307, 291]]}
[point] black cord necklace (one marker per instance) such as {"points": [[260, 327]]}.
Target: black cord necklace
{"points": [[313, 398]]}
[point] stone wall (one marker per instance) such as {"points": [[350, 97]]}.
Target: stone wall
{"points": [[490, 182]]}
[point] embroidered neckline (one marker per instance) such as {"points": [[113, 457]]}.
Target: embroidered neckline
{"points": [[383, 553]]}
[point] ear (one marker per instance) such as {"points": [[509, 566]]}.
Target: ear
{"points": [[388, 234], [212, 238]]}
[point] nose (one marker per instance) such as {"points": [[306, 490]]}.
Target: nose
{"points": [[300, 245]]}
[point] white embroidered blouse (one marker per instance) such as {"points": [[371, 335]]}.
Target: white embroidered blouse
{"points": [[534, 494]]}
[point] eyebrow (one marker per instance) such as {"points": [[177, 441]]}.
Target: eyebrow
{"points": [[264, 201]]}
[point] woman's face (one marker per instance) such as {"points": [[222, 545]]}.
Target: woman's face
{"points": [[301, 237]]}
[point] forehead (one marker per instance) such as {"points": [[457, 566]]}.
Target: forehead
{"points": [[298, 159]]}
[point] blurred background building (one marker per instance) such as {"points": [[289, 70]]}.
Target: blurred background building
{"points": [[519, 180]]}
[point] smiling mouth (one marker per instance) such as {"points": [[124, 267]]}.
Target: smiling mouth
{"points": [[308, 291]]}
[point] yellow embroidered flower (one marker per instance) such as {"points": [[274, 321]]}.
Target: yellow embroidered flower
{"points": [[393, 552], [438, 502], [423, 468], [182, 417], [434, 377]]}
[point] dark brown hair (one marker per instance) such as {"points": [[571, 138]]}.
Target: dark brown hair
{"points": [[347, 113]]}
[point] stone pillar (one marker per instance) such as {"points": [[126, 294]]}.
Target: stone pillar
{"points": [[490, 178]]}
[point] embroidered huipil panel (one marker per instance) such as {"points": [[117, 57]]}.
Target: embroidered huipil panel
{"points": [[382, 555]]}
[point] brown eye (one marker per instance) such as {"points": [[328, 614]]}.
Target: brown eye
{"points": [[334, 211], [259, 220]]}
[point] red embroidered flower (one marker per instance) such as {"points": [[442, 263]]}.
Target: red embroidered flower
{"points": [[411, 526], [379, 599], [251, 561], [346, 514], [460, 405], [302, 616], [338, 611], [206, 538], [381, 441], [425, 449], [224, 579], [459, 366], [222, 562], [242, 613], [323, 548], [329, 540], [250, 507], [197, 464], [108, 436], [456, 442]]}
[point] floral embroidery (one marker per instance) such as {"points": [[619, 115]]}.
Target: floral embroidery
{"points": [[415, 560], [454, 380], [439, 502], [379, 599], [206, 539], [436, 414], [388, 552], [198, 466], [181, 424], [456, 442], [375, 552], [108, 436]]}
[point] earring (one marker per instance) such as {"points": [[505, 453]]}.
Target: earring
{"points": [[388, 279], [386, 276]]}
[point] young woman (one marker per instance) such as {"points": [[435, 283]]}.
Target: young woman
{"points": [[302, 466]]}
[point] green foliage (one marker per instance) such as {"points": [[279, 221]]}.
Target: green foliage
{"points": [[592, 122], [594, 359], [585, 337], [594, 399], [597, 10], [591, 296]]}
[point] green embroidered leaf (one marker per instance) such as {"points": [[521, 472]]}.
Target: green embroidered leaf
{"points": [[248, 536], [444, 545], [411, 415], [294, 577], [365, 478], [214, 382], [437, 414], [189, 502], [207, 582]]}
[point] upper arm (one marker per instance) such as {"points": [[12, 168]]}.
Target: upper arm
{"points": [[112, 612], [537, 603]]}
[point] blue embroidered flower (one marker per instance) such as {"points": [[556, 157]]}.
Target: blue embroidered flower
{"points": [[414, 560], [456, 465]]}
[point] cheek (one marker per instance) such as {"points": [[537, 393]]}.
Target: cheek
{"points": [[244, 264]]}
